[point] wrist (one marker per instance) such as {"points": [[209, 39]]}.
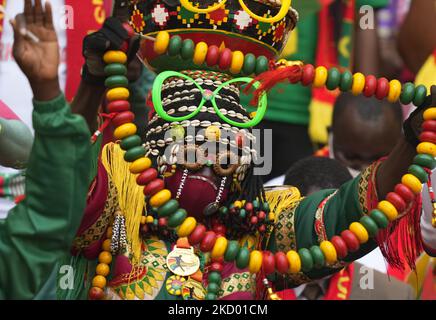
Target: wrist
{"points": [[45, 90]]}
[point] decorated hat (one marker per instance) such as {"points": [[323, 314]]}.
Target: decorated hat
{"points": [[256, 27]]}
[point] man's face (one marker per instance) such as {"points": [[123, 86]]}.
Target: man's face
{"points": [[358, 142]]}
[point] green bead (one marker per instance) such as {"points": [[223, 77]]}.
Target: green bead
{"points": [[224, 210], [317, 256], [346, 81], [420, 95], [210, 296], [243, 258], [214, 277], [213, 288], [134, 153], [379, 218], [262, 64], [188, 48], [333, 79], [306, 260], [231, 251], [242, 213], [249, 65], [116, 81], [370, 225], [418, 172], [175, 46], [425, 160], [115, 69], [407, 93], [265, 207], [256, 204], [168, 208], [177, 218], [177, 132], [130, 142]]}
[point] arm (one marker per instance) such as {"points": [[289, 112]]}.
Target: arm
{"points": [[39, 230]]}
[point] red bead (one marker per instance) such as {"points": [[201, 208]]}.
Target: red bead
{"points": [[219, 260], [428, 136], [382, 88], [249, 206], [254, 220], [429, 125], [261, 215], [197, 235], [122, 118], [162, 222], [208, 241], [213, 55], [118, 106], [154, 187], [308, 74], [340, 246], [397, 201], [268, 262], [262, 228], [351, 240], [147, 176], [282, 263], [404, 192], [124, 47], [225, 59], [239, 138], [219, 229], [370, 86], [144, 229], [216, 266], [95, 293]]}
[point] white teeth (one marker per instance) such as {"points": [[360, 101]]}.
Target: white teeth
{"points": [[246, 149], [225, 141], [189, 138], [171, 111], [195, 123], [216, 124], [175, 148], [240, 116], [173, 159], [155, 152], [160, 161], [183, 109], [160, 143], [199, 138], [185, 123], [169, 140], [192, 108], [205, 123], [226, 126], [223, 111], [163, 169], [166, 125]]}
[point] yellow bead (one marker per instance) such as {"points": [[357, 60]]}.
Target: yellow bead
{"points": [[109, 232], [99, 282], [359, 231], [321, 75], [409, 180], [149, 219], [358, 83], [118, 94], [106, 246], [271, 216], [160, 198], [430, 114], [143, 220], [105, 257], [294, 261], [102, 269], [427, 147], [329, 251], [255, 261], [394, 91], [219, 248], [237, 62], [140, 165], [187, 227], [388, 210], [115, 57], [161, 43], [213, 133], [238, 204], [200, 53], [125, 130]]}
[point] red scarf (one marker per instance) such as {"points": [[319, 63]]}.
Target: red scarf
{"points": [[339, 288], [89, 17]]}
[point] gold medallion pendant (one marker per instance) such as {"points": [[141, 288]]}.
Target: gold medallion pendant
{"points": [[183, 261], [193, 290]]}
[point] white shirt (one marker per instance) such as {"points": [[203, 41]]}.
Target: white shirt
{"points": [[14, 88]]}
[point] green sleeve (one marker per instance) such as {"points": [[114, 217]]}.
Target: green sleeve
{"points": [[41, 228], [372, 3]]}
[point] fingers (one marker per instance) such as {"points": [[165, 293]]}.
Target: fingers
{"points": [[38, 13], [28, 11], [19, 26], [17, 33], [48, 17]]}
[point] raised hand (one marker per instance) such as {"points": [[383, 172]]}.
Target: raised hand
{"points": [[36, 48]]}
